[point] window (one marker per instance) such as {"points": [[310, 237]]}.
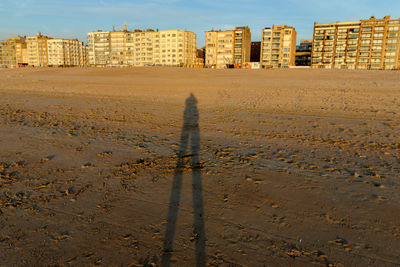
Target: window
{"points": [[378, 35], [393, 35]]}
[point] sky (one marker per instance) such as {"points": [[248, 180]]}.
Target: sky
{"points": [[75, 18]]}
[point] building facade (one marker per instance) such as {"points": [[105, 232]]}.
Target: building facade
{"points": [[278, 47], [177, 48], [99, 48], [219, 49], [225, 48], [142, 48], [12, 52], [365, 44], [66, 52], [303, 53], [37, 50], [255, 51], [200, 57], [242, 49]]}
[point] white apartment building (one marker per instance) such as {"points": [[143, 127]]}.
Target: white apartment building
{"points": [[142, 48], [66, 52], [278, 47], [99, 48], [219, 48]]}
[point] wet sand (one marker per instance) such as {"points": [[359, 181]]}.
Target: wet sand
{"points": [[123, 167]]}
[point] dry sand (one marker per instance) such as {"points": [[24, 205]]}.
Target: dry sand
{"points": [[285, 167]]}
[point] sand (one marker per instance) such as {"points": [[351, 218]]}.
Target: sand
{"points": [[123, 167]]}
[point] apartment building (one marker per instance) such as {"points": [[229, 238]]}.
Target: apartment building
{"points": [[177, 48], [278, 47], [118, 49], [142, 48], [37, 50], [219, 49], [242, 48], [66, 52], [145, 48], [99, 48], [230, 47], [365, 44], [12, 51]]}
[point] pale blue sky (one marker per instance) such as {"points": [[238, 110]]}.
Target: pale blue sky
{"points": [[74, 18]]}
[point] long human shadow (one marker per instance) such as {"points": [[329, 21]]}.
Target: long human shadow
{"points": [[190, 131]]}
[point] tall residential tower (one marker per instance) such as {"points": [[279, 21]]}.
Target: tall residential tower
{"points": [[278, 47], [231, 47], [364, 44]]}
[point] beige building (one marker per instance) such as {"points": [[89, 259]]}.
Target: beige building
{"points": [[142, 48], [99, 48], [146, 48], [219, 49], [364, 44], [37, 50], [177, 48], [224, 48], [66, 52], [118, 51], [12, 51], [42, 51], [278, 47]]}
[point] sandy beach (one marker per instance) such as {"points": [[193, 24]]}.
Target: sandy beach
{"points": [[184, 167]]}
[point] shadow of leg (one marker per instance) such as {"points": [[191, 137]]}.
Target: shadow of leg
{"points": [[197, 196], [172, 213]]}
